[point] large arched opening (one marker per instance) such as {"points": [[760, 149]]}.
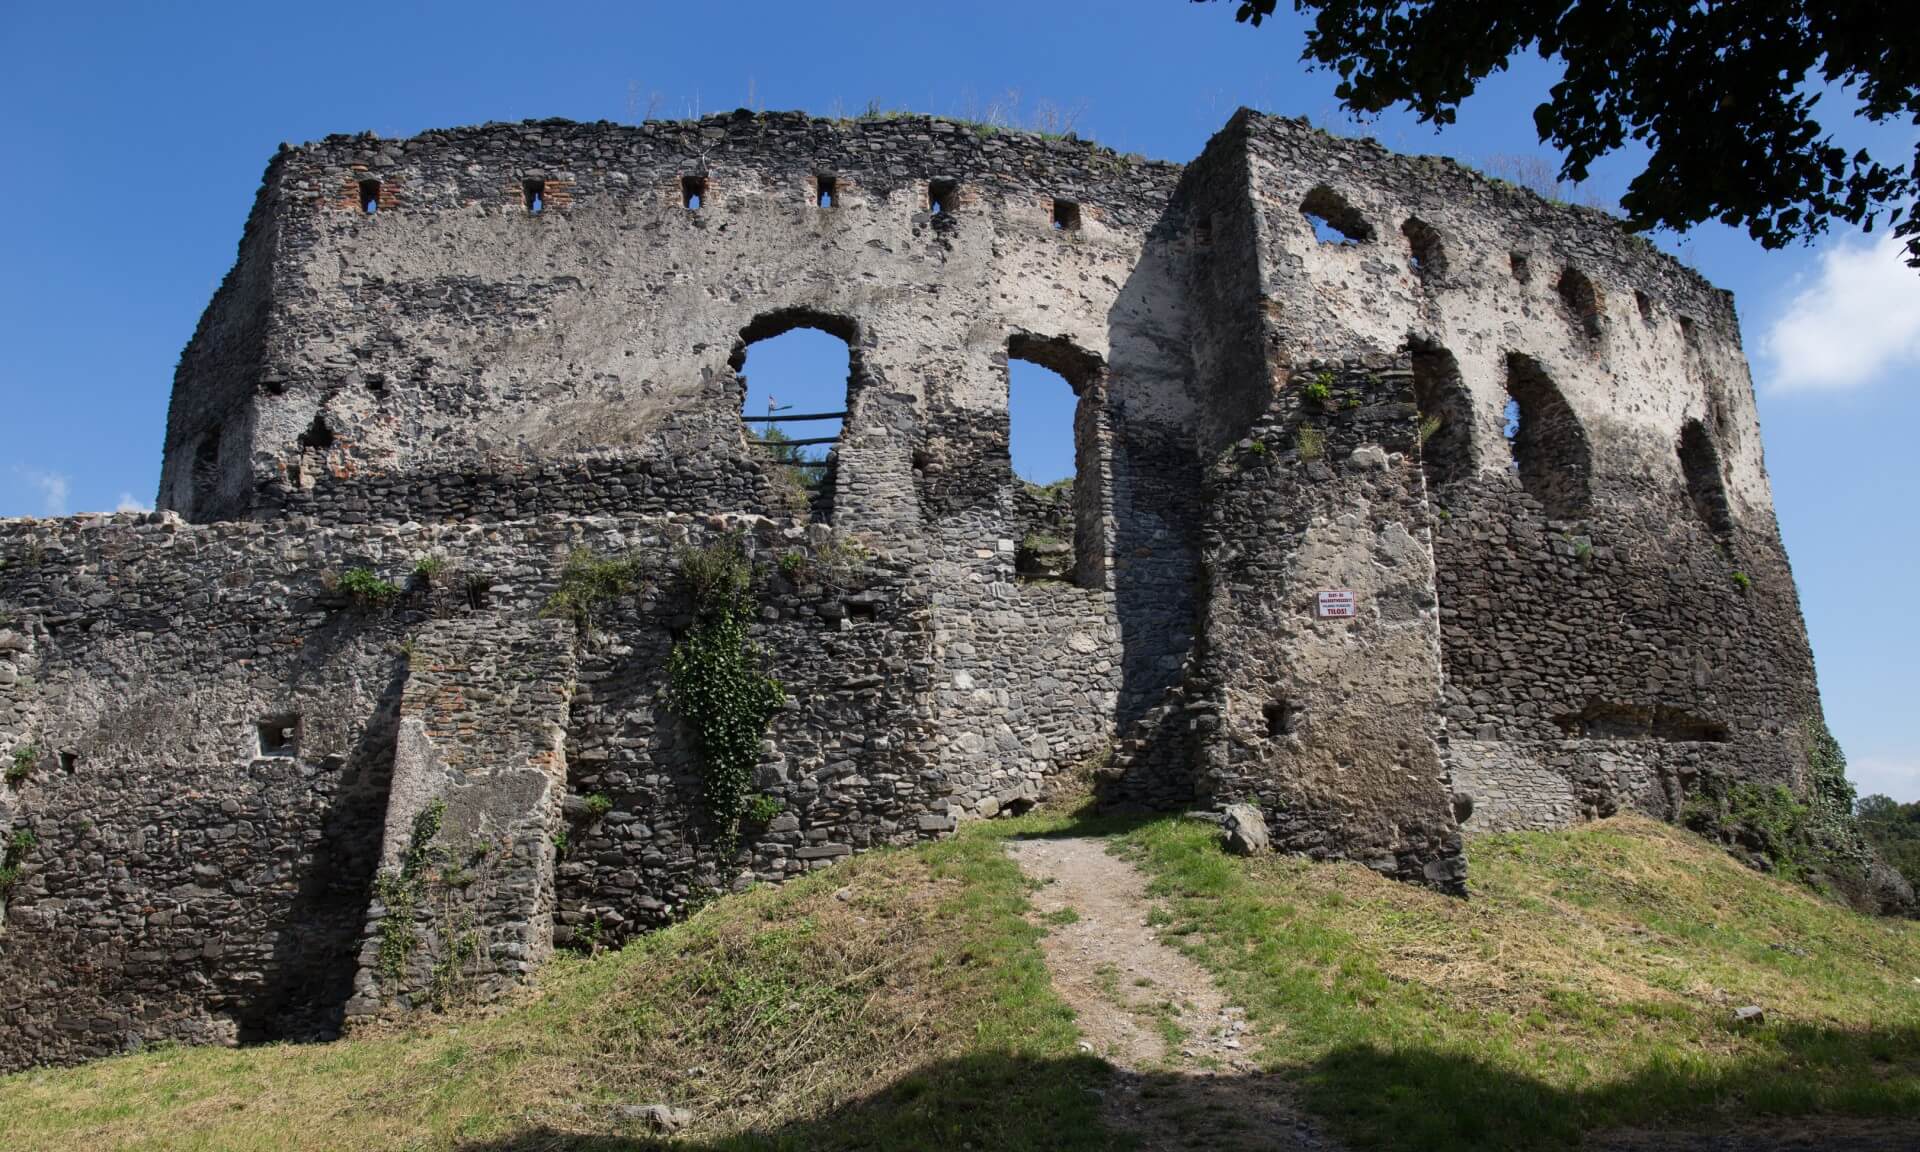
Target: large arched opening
{"points": [[798, 372], [1055, 446]]}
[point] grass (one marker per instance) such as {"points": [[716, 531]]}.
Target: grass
{"points": [[915, 1013], [899, 1000], [1589, 983]]}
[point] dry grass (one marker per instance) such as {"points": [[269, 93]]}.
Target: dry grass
{"points": [[1589, 982], [898, 996]]}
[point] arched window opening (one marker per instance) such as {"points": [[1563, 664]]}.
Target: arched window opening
{"points": [[1427, 255], [370, 196], [1066, 215], [1522, 267], [1643, 302], [1700, 465], [1053, 442], [534, 194], [797, 371], [1446, 417], [825, 190], [1550, 450], [693, 192], [1334, 220], [1582, 300]]}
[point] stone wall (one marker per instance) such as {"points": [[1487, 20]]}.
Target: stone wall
{"points": [[1325, 720], [258, 803]]}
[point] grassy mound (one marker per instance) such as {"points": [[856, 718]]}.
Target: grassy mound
{"points": [[900, 1001], [1590, 983], [897, 1001]]}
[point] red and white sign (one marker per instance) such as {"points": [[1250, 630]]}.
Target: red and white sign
{"points": [[1337, 604]]}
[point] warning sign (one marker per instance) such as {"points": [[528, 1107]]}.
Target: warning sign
{"points": [[1337, 604]]}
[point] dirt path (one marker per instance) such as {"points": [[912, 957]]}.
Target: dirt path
{"points": [[1186, 1078]]}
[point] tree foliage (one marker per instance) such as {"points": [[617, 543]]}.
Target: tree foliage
{"points": [[1894, 829], [1723, 94]]}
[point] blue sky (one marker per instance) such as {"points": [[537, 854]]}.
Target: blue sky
{"points": [[137, 135]]}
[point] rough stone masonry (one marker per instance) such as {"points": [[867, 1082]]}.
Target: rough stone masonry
{"points": [[1407, 505]]}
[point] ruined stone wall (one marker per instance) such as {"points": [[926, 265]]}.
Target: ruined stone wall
{"points": [[257, 804], [198, 878], [1617, 613], [184, 880]]}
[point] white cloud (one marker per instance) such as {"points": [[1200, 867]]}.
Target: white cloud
{"points": [[54, 490], [1888, 774], [1860, 317], [129, 504]]}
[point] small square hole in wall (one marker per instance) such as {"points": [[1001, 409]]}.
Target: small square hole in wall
{"points": [[1066, 215], [693, 192], [370, 196], [279, 736], [826, 191], [1281, 717], [69, 762], [1522, 270], [940, 196], [534, 193]]}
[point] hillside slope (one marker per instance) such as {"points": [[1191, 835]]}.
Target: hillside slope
{"points": [[900, 1000]]}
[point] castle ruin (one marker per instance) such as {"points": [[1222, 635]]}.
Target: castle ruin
{"points": [[1407, 505]]}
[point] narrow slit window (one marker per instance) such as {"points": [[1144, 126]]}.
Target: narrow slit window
{"points": [[826, 191], [1645, 303], [206, 469], [370, 196], [534, 193], [693, 192], [1522, 268], [1282, 718], [1203, 230], [1066, 215], [940, 195], [279, 736]]}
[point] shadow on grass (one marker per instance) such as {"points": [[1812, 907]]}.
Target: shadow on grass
{"points": [[1373, 1100]]}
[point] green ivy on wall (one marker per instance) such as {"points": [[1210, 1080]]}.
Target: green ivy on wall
{"points": [[716, 682]]}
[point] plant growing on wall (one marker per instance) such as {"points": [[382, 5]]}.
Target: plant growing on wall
{"points": [[716, 682], [21, 766], [18, 845], [590, 583], [367, 589], [401, 891]]}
